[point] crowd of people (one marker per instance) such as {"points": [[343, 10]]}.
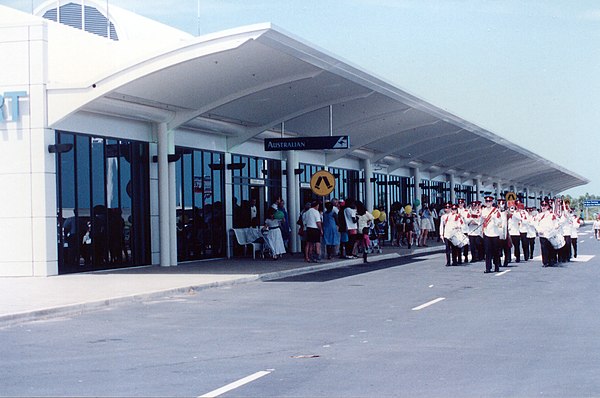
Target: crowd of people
{"points": [[495, 232], [345, 228], [499, 232]]}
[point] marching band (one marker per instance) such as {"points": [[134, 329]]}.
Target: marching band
{"points": [[495, 232]]}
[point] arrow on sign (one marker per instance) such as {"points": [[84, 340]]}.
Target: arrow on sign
{"points": [[323, 179], [342, 143]]}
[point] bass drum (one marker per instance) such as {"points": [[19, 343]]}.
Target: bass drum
{"points": [[557, 241], [459, 240]]}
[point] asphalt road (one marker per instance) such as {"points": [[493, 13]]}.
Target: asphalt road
{"points": [[398, 328]]}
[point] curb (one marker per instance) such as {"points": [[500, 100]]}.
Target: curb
{"points": [[85, 307]]}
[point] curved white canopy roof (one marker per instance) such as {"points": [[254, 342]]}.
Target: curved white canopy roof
{"points": [[245, 81]]}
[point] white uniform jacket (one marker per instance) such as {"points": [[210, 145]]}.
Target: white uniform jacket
{"points": [[546, 224], [473, 223], [514, 223], [576, 223], [451, 224], [492, 221]]}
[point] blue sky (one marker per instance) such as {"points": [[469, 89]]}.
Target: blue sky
{"points": [[526, 70]]}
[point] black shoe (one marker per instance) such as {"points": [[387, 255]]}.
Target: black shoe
{"points": [[447, 265], [454, 264], [487, 272], [496, 270]]}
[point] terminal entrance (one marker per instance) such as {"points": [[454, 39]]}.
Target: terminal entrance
{"points": [[103, 215], [199, 204]]}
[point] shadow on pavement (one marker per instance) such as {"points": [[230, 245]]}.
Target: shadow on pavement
{"points": [[350, 270]]}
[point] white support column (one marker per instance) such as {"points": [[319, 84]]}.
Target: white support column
{"points": [[368, 168], [452, 182], [172, 214], [163, 195], [478, 189], [416, 173], [498, 190], [292, 198]]}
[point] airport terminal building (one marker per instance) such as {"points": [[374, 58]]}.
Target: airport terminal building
{"points": [[125, 142]]}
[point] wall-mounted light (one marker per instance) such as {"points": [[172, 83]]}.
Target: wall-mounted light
{"points": [[373, 179], [236, 166], [298, 171], [60, 148], [216, 166], [170, 158]]}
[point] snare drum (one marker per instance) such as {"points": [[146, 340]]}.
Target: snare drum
{"points": [[557, 241], [459, 239]]}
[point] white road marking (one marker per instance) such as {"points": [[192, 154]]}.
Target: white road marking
{"points": [[235, 384], [582, 258], [502, 273], [437, 300]]}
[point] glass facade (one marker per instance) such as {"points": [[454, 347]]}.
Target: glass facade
{"points": [[200, 182], [102, 202], [347, 183], [256, 186], [380, 191]]}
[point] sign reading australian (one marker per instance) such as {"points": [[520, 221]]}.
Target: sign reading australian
{"points": [[307, 143]]}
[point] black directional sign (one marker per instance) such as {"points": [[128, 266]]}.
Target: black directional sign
{"points": [[307, 143], [322, 182]]}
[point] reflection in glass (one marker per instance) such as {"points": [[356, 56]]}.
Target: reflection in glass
{"points": [[103, 209], [200, 213]]}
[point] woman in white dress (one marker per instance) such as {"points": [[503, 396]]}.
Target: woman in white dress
{"points": [[272, 234]]}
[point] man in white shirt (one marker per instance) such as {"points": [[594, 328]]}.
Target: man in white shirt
{"points": [[314, 231], [492, 229]]}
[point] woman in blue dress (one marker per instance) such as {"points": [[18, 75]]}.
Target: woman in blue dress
{"points": [[331, 235]]}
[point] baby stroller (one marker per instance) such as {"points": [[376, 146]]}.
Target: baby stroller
{"points": [[374, 237], [273, 246]]}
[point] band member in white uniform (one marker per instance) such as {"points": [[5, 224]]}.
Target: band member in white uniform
{"points": [[475, 231], [576, 223], [546, 224], [514, 230], [492, 228], [531, 231], [523, 226], [565, 223], [505, 243], [462, 211], [451, 226]]}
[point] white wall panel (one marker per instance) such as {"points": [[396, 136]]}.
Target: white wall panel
{"points": [[15, 63], [15, 201], [16, 240]]}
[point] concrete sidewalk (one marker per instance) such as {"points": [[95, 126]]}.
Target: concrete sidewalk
{"points": [[33, 298]]}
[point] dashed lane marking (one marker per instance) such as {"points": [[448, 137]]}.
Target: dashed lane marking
{"points": [[502, 273], [235, 384], [427, 304]]}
